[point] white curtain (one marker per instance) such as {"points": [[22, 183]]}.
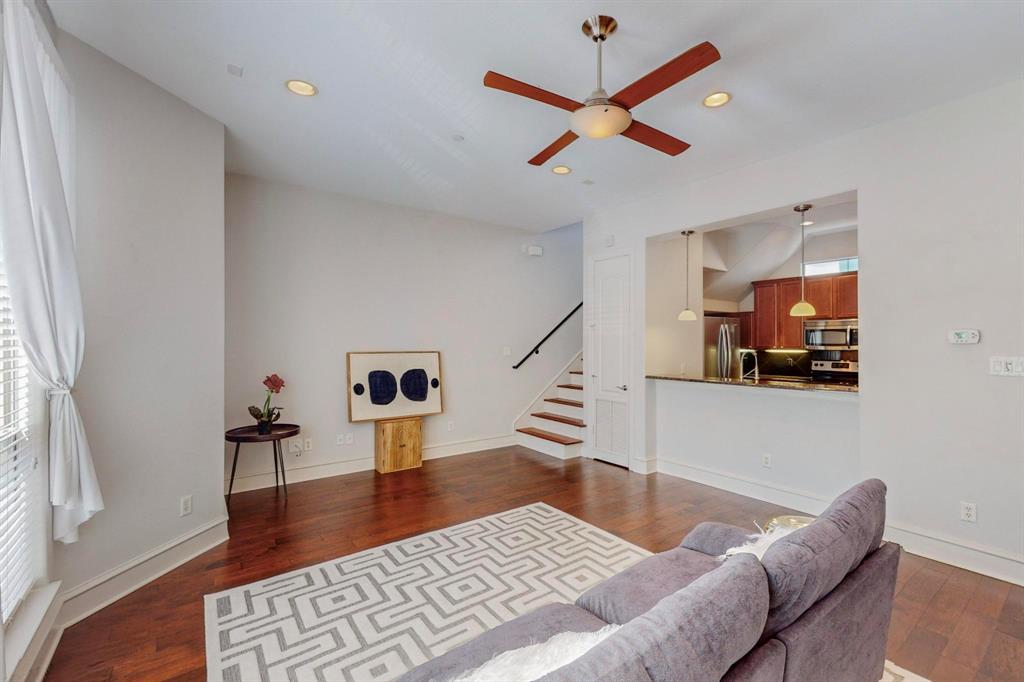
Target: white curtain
{"points": [[36, 124]]}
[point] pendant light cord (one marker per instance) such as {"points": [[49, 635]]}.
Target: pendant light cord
{"points": [[803, 260]]}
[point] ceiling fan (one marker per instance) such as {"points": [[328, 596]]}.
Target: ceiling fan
{"points": [[603, 116]]}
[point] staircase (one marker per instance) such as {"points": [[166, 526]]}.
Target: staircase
{"points": [[554, 423]]}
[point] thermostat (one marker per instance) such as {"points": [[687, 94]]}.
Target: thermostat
{"points": [[959, 336]]}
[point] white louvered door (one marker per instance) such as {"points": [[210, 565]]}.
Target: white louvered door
{"points": [[609, 368]]}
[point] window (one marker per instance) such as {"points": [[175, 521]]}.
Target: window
{"points": [[830, 267], [17, 507]]}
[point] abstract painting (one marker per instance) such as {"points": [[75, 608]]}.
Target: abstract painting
{"points": [[388, 385]]}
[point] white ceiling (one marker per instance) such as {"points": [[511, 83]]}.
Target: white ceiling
{"points": [[398, 79]]}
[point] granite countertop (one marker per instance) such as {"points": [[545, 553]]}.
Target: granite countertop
{"points": [[763, 383]]}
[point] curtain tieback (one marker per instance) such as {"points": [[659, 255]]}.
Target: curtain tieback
{"points": [[57, 391]]}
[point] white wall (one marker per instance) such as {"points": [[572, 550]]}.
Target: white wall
{"points": [[312, 275], [829, 246], [150, 238], [671, 346], [941, 246], [738, 425]]}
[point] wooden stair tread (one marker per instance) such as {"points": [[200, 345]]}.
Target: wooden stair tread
{"points": [[571, 421], [575, 387], [565, 401], [547, 435]]}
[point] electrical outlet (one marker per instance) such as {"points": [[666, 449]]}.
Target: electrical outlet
{"points": [[308, 444], [451, 426], [969, 512], [349, 439], [766, 461], [295, 445], [185, 507]]}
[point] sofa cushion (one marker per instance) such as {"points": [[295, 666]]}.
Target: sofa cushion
{"points": [[530, 628], [637, 589], [693, 635], [766, 663], [807, 564], [714, 538]]}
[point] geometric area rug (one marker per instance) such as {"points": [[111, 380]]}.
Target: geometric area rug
{"points": [[373, 615]]}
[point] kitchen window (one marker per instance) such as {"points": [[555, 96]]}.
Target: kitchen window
{"points": [[831, 267]]}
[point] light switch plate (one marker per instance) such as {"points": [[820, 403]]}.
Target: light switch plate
{"points": [[1012, 366], [962, 336]]}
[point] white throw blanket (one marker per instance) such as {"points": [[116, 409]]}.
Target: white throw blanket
{"points": [[537, 660], [759, 543]]}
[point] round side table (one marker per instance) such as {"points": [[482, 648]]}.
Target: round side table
{"points": [[251, 434]]}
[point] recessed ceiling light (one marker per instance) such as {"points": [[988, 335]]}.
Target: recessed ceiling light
{"points": [[806, 223], [301, 88], [717, 99], [561, 170]]}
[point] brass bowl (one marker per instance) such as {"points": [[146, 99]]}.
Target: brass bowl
{"points": [[788, 521]]}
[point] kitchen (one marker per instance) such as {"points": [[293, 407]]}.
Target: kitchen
{"points": [[773, 302]]}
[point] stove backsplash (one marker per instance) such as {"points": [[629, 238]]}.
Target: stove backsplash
{"points": [[783, 363]]}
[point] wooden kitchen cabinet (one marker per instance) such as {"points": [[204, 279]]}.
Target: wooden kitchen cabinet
{"points": [[766, 314], [791, 329], [746, 329], [845, 296], [399, 444], [819, 292]]}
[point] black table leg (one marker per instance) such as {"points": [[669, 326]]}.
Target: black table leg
{"points": [[284, 481], [275, 443], [233, 465]]}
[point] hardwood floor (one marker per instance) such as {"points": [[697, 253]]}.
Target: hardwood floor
{"points": [[948, 624]]}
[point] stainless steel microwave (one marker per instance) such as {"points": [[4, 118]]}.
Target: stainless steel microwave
{"points": [[831, 335]]}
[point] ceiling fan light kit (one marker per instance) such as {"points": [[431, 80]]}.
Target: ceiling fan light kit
{"points": [[601, 116]]}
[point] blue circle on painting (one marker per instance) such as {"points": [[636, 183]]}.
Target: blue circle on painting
{"points": [[414, 385], [383, 387], [358, 389]]}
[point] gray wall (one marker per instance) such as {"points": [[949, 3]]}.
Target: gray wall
{"points": [[150, 237], [312, 275]]}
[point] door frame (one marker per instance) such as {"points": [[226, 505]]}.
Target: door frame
{"points": [[589, 393]]}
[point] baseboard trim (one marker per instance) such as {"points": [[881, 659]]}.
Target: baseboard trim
{"points": [[801, 500], [350, 466], [92, 595], [988, 561]]}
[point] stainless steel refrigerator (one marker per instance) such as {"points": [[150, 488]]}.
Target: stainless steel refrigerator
{"points": [[722, 347]]}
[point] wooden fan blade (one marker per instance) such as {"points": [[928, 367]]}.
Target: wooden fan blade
{"points": [[667, 75], [553, 148], [499, 82], [654, 138]]}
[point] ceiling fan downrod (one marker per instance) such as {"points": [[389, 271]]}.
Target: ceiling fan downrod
{"points": [[598, 28]]}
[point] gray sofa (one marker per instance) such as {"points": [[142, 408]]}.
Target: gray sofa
{"points": [[816, 607]]}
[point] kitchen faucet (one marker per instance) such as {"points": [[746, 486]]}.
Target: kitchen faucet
{"points": [[746, 375]]}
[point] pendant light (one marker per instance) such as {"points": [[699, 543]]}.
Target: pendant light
{"points": [[802, 308], [687, 315]]}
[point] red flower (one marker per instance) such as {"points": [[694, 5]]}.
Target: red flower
{"points": [[274, 383]]}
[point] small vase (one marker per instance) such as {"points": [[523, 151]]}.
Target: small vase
{"points": [[263, 427]]}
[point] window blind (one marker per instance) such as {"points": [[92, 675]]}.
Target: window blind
{"points": [[17, 462]]}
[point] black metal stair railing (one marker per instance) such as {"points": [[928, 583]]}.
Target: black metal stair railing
{"points": [[536, 349]]}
